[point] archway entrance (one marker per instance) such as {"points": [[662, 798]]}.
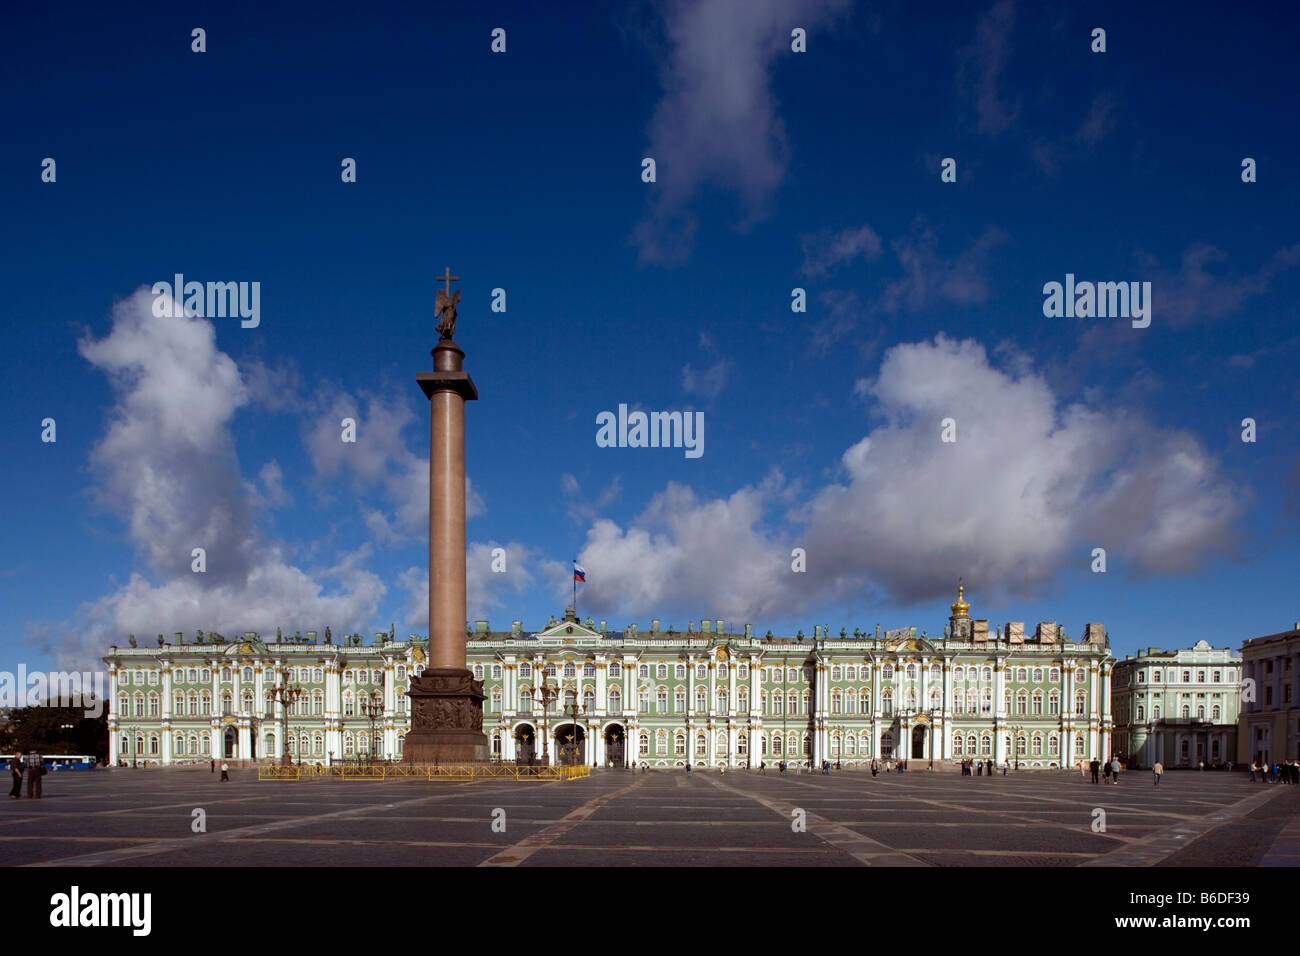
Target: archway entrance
{"points": [[231, 739], [570, 745], [525, 744], [918, 741], [615, 754]]}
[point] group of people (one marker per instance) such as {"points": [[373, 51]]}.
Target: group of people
{"points": [[1288, 771], [33, 768], [980, 768], [1110, 770]]}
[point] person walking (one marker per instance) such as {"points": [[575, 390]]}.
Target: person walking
{"points": [[1254, 766], [762, 765], [688, 768], [1114, 770], [16, 769], [225, 768], [1006, 765], [875, 767], [1095, 767], [214, 765], [1158, 769], [35, 770]]}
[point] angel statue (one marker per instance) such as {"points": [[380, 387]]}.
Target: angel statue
{"points": [[444, 307]]}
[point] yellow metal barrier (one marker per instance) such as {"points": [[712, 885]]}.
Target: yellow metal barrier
{"points": [[453, 772]]}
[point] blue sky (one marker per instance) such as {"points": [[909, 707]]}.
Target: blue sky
{"points": [[775, 170]]}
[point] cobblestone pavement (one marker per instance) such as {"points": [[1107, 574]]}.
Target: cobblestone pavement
{"points": [[620, 818]]}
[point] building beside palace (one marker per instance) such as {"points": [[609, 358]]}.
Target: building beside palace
{"points": [[711, 696], [1269, 727], [1177, 707]]}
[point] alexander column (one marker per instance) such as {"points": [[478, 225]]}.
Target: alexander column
{"points": [[446, 700]]}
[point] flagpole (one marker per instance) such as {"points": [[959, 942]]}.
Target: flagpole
{"points": [[575, 587]]}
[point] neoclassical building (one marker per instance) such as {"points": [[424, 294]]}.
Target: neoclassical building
{"points": [[1177, 707], [1270, 709], [578, 691]]}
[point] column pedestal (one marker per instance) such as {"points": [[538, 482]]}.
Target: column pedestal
{"points": [[446, 718]]}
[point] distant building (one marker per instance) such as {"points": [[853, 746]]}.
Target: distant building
{"points": [[1177, 707], [1270, 717]]}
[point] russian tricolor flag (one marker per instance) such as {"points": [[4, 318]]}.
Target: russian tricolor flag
{"points": [[579, 573]]}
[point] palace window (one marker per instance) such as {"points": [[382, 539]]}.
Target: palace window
{"points": [[1217, 675], [1038, 675], [777, 745], [615, 669], [661, 742], [1054, 675], [248, 673], [1200, 712], [1080, 702], [701, 699], [778, 704], [1037, 746], [661, 671], [793, 703], [570, 671], [679, 744], [1078, 745], [178, 703], [1187, 712], [496, 701], [205, 708], [936, 672], [911, 672], [349, 706], [742, 700], [988, 673], [850, 672], [957, 746], [680, 672], [743, 672], [1187, 677], [722, 671], [958, 701], [1054, 704], [1020, 745], [525, 701], [1155, 711], [1020, 703], [549, 670], [207, 675], [318, 675], [837, 704], [934, 699], [643, 744], [1053, 746], [225, 674], [1216, 713], [701, 744], [1141, 713], [986, 702], [247, 702], [887, 673], [742, 744], [496, 673], [679, 700], [589, 699], [588, 669], [721, 699], [615, 700], [1038, 704], [835, 673], [1081, 676], [887, 703], [1021, 675], [661, 700], [850, 701]]}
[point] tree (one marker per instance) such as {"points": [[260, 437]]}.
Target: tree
{"points": [[55, 730]]}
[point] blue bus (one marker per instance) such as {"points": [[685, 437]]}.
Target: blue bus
{"points": [[69, 762]]}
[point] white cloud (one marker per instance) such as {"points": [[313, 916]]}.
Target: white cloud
{"points": [[380, 457], [827, 249], [485, 589], [1028, 489], [982, 63], [707, 383], [717, 120], [167, 465]]}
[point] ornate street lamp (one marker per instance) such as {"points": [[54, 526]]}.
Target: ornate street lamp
{"points": [[546, 695], [287, 695]]}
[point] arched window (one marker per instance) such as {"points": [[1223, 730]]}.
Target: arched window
{"points": [[1215, 713], [225, 674], [570, 671], [139, 705], [1037, 746], [679, 744], [1021, 675], [837, 704], [721, 699], [643, 671], [850, 701], [1053, 746], [958, 701], [661, 742], [887, 702], [742, 699], [615, 669], [525, 700], [349, 705], [1037, 704], [1054, 703], [701, 698], [986, 745], [525, 670], [589, 699], [1141, 712], [178, 703], [988, 673], [936, 672], [934, 699], [248, 702], [643, 744], [1078, 744], [887, 673], [1020, 745], [1038, 675], [777, 745], [661, 671], [1187, 712], [911, 672], [957, 746], [679, 700], [970, 744], [1080, 701], [701, 672], [615, 700], [835, 672]]}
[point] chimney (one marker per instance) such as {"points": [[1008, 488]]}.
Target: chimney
{"points": [[719, 628], [706, 626], [749, 630], [602, 626], [516, 628], [480, 627], [654, 626]]}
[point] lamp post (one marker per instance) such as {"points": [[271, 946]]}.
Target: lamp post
{"points": [[287, 695], [1016, 731], [545, 695], [573, 712]]}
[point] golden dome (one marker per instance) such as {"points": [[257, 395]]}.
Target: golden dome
{"points": [[960, 608]]}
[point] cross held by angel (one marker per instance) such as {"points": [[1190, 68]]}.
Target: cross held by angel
{"points": [[444, 305]]}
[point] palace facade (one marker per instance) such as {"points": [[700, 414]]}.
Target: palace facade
{"points": [[577, 691], [1270, 708], [1178, 707]]}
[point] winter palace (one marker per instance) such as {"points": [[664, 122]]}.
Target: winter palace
{"points": [[577, 691]]}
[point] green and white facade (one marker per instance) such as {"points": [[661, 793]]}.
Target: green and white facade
{"points": [[709, 696]]}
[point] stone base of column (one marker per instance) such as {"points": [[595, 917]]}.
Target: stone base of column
{"points": [[446, 718]]}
